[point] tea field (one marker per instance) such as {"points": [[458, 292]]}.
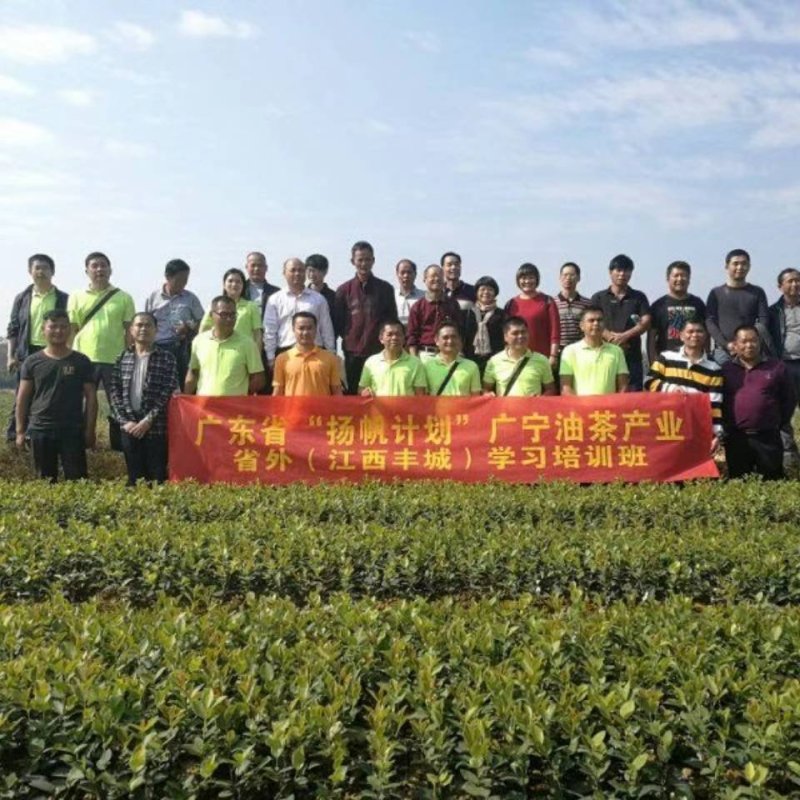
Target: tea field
{"points": [[398, 641]]}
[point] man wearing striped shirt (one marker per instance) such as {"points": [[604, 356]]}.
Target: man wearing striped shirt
{"points": [[690, 370]]}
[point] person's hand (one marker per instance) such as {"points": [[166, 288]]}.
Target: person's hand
{"points": [[489, 394], [89, 439], [367, 392], [553, 361], [715, 445], [618, 339], [731, 348], [141, 428], [12, 365], [181, 329], [20, 441], [128, 427]]}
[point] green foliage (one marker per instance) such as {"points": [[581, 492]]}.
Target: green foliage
{"points": [[711, 542], [420, 698]]}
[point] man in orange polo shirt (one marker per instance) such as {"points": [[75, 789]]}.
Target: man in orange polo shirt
{"points": [[306, 370]]}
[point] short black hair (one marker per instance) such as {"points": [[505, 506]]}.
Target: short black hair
{"points": [[784, 272], [361, 245], [303, 315], [55, 313], [684, 265], [146, 314], [487, 280], [42, 257], [318, 261], [175, 267], [571, 264], [448, 323], [95, 255], [689, 321], [513, 322], [746, 328], [223, 298], [737, 252], [592, 309], [623, 262], [406, 261], [396, 322], [446, 255], [528, 269]]}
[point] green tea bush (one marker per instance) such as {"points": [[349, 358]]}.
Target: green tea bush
{"points": [[713, 543]]}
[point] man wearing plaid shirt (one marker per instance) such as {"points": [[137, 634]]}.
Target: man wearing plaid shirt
{"points": [[143, 380]]}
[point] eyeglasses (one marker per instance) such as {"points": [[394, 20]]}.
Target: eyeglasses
{"points": [[225, 314]]}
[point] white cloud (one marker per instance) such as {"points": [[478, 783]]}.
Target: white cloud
{"points": [[9, 85], [126, 149], [80, 98], [133, 36], [781, 126], [18, 133], [43, 44], [378, 126], [199, 25], [549, 57], [425, 41], [656, 24]]}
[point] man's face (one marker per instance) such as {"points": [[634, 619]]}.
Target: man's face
{"points": [[305, 331], [591, 324], [678, 282], [790, 286], [620, 278], [406, 275], [392, 337], [452, 269], [177, 283], [256, 267], [143, 330], [516, 336], [316, 277], [56, 331], [568, 278], [748, 345], [693, 336], [294, 271], [448, 340], [224, 315], [98, 270], [363, 261], [434, 279], [738, 267], [40, 270]]}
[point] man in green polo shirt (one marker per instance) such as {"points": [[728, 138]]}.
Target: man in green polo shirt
{"points": [[393, 372], [591, 365], [224, 363], [517, 371], [100, 331], [448, 373], [25, 334]]}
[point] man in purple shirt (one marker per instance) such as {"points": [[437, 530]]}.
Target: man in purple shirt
{"points": [[362, 305], [757, 401], [430, 313]]}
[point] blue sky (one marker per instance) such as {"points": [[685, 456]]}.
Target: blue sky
{"points": [[508, 131]]}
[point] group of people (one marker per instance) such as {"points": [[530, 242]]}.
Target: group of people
{"points": [[450, 338]]}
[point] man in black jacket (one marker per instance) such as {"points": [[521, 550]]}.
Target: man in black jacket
{"points": [[784, 329], [25, 329]]}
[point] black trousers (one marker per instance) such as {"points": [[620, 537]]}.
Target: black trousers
{"points": [[759, 453], [48, 447], [353, 367], [145, 459]]}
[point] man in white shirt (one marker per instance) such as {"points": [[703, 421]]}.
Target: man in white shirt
{"points": [[406, 292], [285, 303]]}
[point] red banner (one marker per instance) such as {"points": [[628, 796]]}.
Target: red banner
{"points": [[280, 440]]}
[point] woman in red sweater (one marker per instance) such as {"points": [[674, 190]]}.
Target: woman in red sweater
{"points": [[539, 311]]}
